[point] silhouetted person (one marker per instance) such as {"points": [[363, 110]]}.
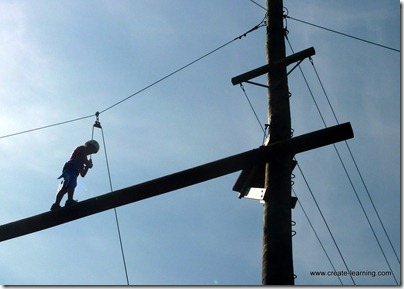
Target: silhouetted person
{"points": [[77, 165]]}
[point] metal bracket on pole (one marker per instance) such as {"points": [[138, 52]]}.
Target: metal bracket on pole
{"points": [[265, 69], [250, 183]]}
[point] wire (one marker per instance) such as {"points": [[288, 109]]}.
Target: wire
{"points": [[354, 161], [47, 126], [348, 147], [252, 108], [331, 30], [325, 222], [315, 233], [258, 5], [110, 185], [346, 172], [364, 211], [344, 34], [261, 24]]}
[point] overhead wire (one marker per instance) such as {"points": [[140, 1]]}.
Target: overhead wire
{"points": [[253, 110], [345, 34], [346, 171], [261, 24], [315, 232], [355, 163], [332, 30], [259, 5], [325, 222], [308, 219], [46, 126]]}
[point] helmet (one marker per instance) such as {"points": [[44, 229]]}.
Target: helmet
{"points": [[93, 144]]}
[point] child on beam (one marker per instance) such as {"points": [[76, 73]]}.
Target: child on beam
{"points": [[78, 164]]}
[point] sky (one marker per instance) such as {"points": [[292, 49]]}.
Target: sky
{"points": [[66, 60]]}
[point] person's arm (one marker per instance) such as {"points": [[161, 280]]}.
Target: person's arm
{"points": [[87, 165], [83, 171]]}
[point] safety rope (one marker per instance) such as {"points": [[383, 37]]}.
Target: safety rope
{"points": [[97, 124]]}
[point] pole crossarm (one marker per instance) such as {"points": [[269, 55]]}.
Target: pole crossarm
{"points": [[175, 181], [265, 68]]}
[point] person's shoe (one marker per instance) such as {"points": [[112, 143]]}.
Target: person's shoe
{"points": [[55, 207], [70, 202]]}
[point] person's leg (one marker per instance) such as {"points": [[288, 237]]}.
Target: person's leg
{"points": [[59, 196], [70, 191], [62, 191], [70, 200]]}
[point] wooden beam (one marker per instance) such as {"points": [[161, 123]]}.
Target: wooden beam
{"points": [[174, 181], [265, 68]]}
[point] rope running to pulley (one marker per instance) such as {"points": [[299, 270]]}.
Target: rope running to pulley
{"points": [[97, 124]]}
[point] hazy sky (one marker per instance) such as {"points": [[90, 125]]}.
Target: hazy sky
{"points": [[64, 60]]}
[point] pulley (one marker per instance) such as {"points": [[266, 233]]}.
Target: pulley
{"points": [[97, 121]]}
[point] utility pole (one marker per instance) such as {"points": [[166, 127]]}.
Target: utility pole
{"points": [[277, 259], [272, 183]]}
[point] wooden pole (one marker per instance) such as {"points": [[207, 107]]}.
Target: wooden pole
{"points": [[277, 259]]}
